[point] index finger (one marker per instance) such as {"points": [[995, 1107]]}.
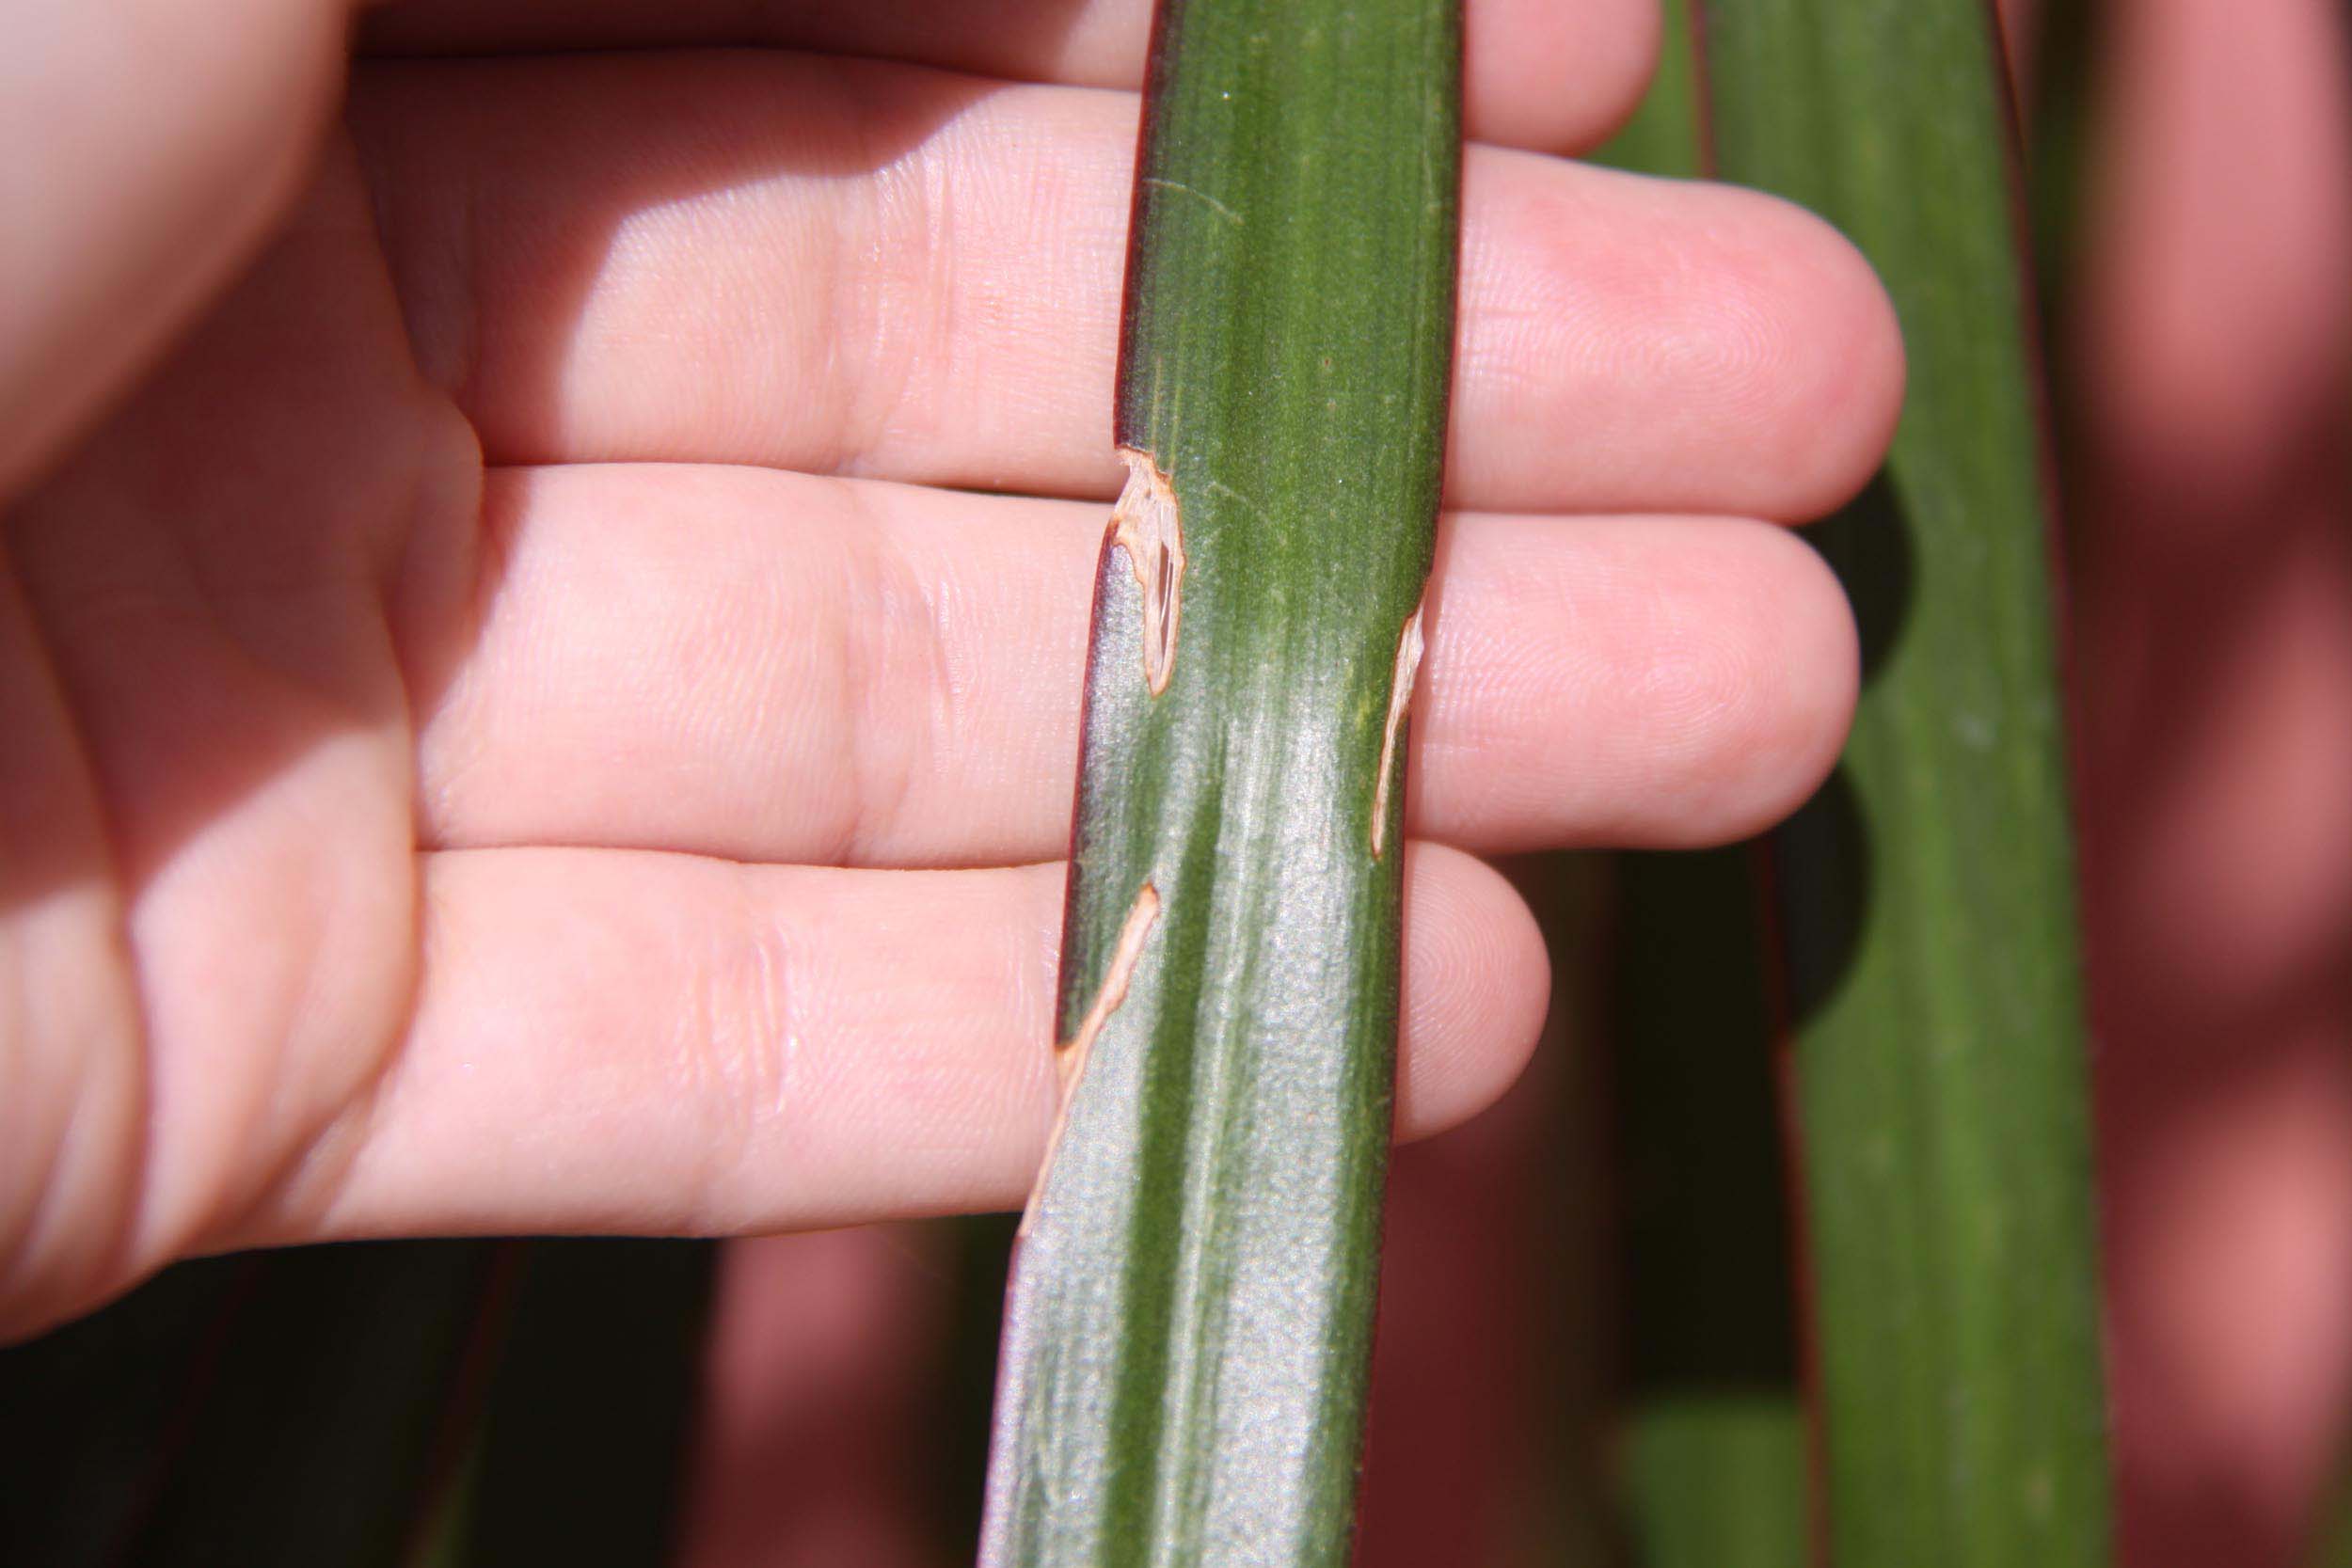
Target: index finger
{"points": [[1537, 74]]}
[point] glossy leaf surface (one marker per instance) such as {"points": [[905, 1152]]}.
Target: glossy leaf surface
{"points": [[1190, 1313]]}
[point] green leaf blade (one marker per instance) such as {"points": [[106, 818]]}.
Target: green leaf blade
{"points": [[1190, 1313]]}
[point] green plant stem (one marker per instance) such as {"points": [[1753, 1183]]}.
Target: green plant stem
{"points": [[1190, 1313], [1928, 894]]}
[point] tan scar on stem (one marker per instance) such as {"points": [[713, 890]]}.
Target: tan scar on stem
{"points": [[1149, 526], [1400, 701], [1069, 1055]]}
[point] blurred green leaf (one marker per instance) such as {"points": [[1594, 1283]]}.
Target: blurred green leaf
{"points": [[385, 1404], [1927, 893], [1714, 1462], [578, 1447], [282, 1408]]}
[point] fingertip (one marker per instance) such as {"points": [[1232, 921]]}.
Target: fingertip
{"points": [[1639, 345], [1844, 362], [1555, 78], [1785, 724], [1750, 678], [1477, 984], [1665, 682], [1806, 351]]}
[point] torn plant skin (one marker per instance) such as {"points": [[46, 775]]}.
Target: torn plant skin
{"points": [[1148, 524], [1069, 1055], [1409, 651]]}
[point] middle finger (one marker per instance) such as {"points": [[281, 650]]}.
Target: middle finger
{"points": [[777, 667]]}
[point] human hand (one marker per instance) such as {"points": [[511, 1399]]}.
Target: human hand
{"points": [[519, 720]]}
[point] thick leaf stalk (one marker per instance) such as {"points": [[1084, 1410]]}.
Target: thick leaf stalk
{"points": [[1187, 1329], [1928, 894]]}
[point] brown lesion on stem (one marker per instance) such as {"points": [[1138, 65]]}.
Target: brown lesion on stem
{"points": [[1069, 1055], [1409, 651], [1148, 524]]}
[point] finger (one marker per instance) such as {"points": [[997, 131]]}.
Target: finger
{"points": [[769, 666], [837, 267], [610, 1040], [148, 143], [1536, 73]]}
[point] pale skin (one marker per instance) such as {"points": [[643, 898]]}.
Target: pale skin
{"points": [[517, 721], [2210, 580], [512, 728]]}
